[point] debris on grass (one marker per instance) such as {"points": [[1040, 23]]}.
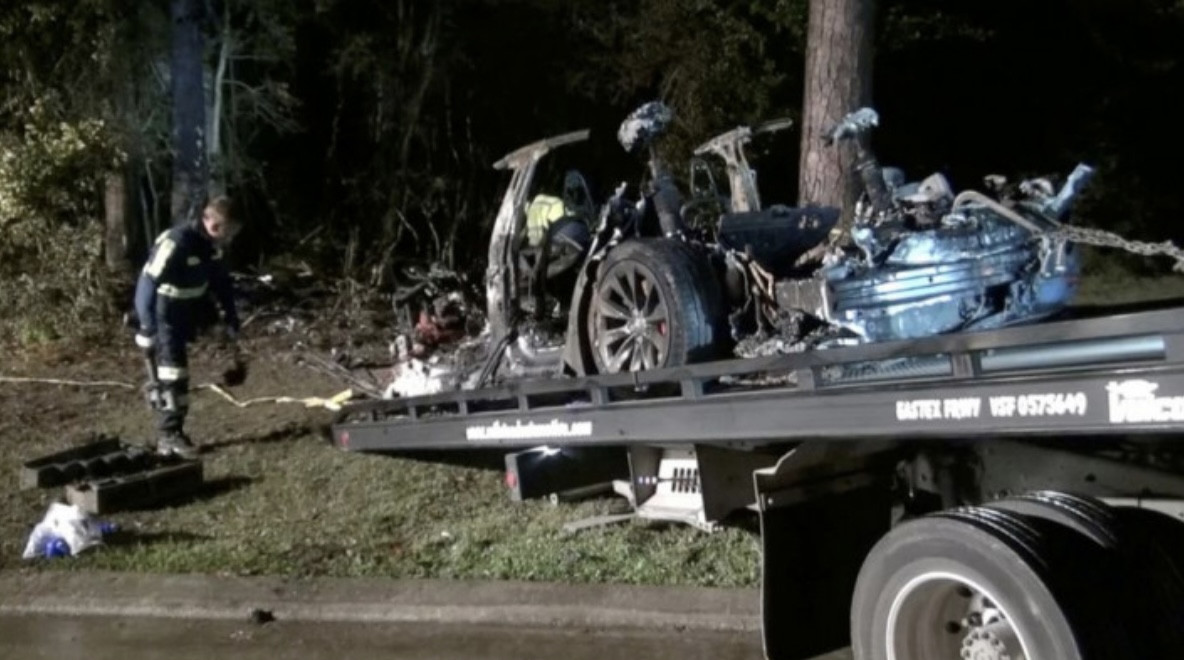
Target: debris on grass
{"points": [[65, 531]]}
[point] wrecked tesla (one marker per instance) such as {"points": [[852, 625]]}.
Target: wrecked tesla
{"points": [[652, 279]]}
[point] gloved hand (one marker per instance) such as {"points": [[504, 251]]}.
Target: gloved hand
{"points": [[236, 374]]}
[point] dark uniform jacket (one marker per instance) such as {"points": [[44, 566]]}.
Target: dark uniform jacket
{"points": [[183, 265]]}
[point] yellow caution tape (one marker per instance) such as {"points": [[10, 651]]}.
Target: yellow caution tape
{"points": [[332, 403]]}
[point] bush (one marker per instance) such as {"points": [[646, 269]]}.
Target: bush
{"points": [[53, 170], [51, 266], [52, 282]]}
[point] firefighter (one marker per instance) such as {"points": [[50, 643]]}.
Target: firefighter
{"points": [[184, 263]]}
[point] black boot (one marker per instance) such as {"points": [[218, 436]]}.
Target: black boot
{"points": [[176, 443]]}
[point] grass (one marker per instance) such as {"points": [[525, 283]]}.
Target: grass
{"points": [[1113, 286], [280, 501], [311, 510]]}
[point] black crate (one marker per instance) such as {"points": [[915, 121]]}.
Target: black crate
{"points": [[159, 484]]}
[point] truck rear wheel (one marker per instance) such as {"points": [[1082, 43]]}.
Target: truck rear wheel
{"points": [[983, 584], [1157, 540], [1149, 591], [1089, 517], [656, 304]]}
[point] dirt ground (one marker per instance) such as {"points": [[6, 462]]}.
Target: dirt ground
{"points": [[108, 399]]}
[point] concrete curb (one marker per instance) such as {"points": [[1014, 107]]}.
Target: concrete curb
{"points": [[379, 600]]}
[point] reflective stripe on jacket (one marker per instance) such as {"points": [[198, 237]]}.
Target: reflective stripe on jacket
{"points": [[183, 265]]}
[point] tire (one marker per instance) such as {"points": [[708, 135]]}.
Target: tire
{"points": [[1087, 516], [1163, 533], [1140, 543], [655, 304], [919, 589], [1158, 540]]}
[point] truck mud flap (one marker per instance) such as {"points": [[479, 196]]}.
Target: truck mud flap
{"points": [[815, 534]]}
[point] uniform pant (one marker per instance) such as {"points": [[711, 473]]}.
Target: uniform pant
{"points": [[173, 334]]}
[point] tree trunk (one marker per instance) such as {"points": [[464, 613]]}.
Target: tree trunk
{"points": [[214, 156], [838, 80], [190, 172], [115, 222]]}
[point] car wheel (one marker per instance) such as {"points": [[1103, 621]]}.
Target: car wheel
{"points": [[656, 304]]}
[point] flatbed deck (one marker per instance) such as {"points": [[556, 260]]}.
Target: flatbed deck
{"points": [[1101, 371]]}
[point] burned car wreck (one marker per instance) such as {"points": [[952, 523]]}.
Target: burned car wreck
{"points": [[657, 279]]}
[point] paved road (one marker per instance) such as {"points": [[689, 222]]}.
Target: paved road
{"points": [[30, 637], [99, 615]]}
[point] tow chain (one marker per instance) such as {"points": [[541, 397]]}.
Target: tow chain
{"points": [[1101, 238]]}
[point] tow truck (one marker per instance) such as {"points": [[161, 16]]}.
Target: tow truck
{"points": [[954, 481], [1009, 493]]}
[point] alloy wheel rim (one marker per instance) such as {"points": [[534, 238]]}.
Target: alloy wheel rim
{"points": [[632, 320]]}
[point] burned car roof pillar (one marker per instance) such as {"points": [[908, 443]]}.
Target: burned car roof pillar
{"points": [[729, 146], [500, 273]]}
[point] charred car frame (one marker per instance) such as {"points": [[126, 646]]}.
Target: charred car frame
{"points": [[658, 279]]}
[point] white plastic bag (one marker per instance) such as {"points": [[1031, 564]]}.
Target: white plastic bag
{"points": [[67, 522]]}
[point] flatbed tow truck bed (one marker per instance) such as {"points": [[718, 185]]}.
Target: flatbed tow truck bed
{"points": [[880, 471]]}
